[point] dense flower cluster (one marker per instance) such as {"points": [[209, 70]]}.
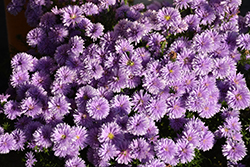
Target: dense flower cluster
{"points": [[100, 86]]}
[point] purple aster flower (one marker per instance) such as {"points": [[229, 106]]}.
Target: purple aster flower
{"points": [[234, 151], [12, 109], [122, 46], [130, 63], [203, 42], [76, 162], [107, 151], [19, 137], [224, 67], [229, 112], [58, 33], [196, 124], [48, 20], [192, 136], [153, 84], [46, 64], [62, 136], [181, 4], [171, 71], [209, 110], [61, 54], [165, 149], [30, 159], [121, 104], [35, 36], [193, 22], [19, 78], [238, 98], [206, 13], [233, 123], [7, 143], [93, 135], [110, 132], [136, 31], [71, 15], [41, 79], [84, 94], [42, 136], [94, 31], [22, 62], [154, 41], [82, 118], [98, 108], [156, 109], [202, 64], [243, 41], [80, 136], [140, 101], [31, 107], [168, 16], [237, 80], [22, 122], [65, 75], [124, 155], [140, 149], [89, 8], [30, 128], [133, 81], [58, 88], [185, 151], [76, 45], [138, 124], [59, 104], [117, 81], [207, 141], [14, 7], [143, 54]]}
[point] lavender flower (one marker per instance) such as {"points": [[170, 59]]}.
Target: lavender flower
{"points": [[94, 31], [19, 137], [59, 105], [80, 136], [12, 109], [234, 151], [166, 149], [185, 151], [107, 151], [71, 15], [30, 159], [168, 16], [98, 108], [111, 133], [138, 124], [75, 161], [42, 136], [121, 104], [140, 149], [7, 143]]}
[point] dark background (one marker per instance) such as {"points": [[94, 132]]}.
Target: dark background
{"points": [[5, 58]]}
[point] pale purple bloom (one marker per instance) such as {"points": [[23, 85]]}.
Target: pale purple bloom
{"points": [[42, 136], [207, 141], [89, 8], [130, 63], [31, 107], [233, 150], [243, 41], [59, 105], [35, 36], [166, 149], [19, 137], [209, 110], [175, 108], [233, 123], [12, 109], [138, 124], [154, 163], [19, 78], [107, 151], [111, 133], [202, 64], [75, 161], [98, 108], [122, 46], [65, 75], [71, 15], [206, 13], [171, 71], [84, 94], [94, 31], [7, 143], [224, 67], [124, 155], [76, 45], [192, 136], [82, 118], [140, 149], [203, 42], [238, 98], [62, 135], [79, 136], [121, 104], [181, 4], [185, 151], [193, 22], [58, 33], [168, 16], [30, 159], [140, 100], [156, 109]]}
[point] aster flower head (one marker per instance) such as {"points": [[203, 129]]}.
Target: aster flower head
{"points": [[140, 149], [75, 161], [185, 150], [124, 155], [58, 104], [171, 71], [156, 108], [62, 135], [80, 136], [168, 16], [76, 45], [107, 151], [94, 31], [89, 8], [181, 4], [19, 137], [138, 124], [82, 118], [165, 149], [71, 15], [192, 136], [30, 159], [121, 104], [202, 64], [35, 36], [58, 33], [42, 136], [203, 42], [22, 62], [7, 143], [207, 141], [84, 94], [122, 46], [130, 63], [140, 100], [238, 98], [98, 108], [234, 151], [12, 109], [111, 133], [31, 107]]}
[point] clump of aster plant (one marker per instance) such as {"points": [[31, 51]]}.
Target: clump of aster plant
{"points": [[108, 84]]}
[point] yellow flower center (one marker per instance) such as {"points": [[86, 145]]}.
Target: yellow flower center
{"points": [[77, 137], [238, 97], [73, 16], [171, 71], [130, 63], [63, 136], [167, 17], [110, 136]]}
